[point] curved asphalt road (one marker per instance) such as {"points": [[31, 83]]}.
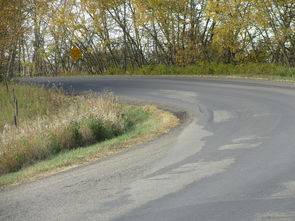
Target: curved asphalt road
{"points": [[233, 158]]}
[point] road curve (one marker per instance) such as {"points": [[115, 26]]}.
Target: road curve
{"points": [[233, 158]]}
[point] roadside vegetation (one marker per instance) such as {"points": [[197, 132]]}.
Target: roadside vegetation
{"points": [[261, 71], [31, 102], [45, 38], [251, 70], [75, 122]]}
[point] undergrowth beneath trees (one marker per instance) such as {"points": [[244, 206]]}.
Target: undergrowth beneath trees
{"points": [[250, 70]]}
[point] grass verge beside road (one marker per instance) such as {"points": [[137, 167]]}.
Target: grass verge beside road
{"points": [[152, 123], [68, 135], [248, 71], [32, 102], [258, 71]]}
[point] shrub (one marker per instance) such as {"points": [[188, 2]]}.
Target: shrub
{"points": [[100, 130], [55, 145], [71, 137], [87, 135]]}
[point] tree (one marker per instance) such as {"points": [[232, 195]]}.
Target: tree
{"points": [[12, 14]]}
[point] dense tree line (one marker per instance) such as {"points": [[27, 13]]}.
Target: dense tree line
{"points": [[36, 36]]}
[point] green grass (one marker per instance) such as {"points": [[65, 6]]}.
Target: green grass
{"points": [[260, 71], [251, 70], [149, 122]]}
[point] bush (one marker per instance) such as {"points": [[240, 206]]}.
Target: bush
{"points": [[100, 130], [55, 146], [71, 136], [87, 135]]}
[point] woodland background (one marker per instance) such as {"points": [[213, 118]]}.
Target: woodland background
{"points": [[36, 36]]}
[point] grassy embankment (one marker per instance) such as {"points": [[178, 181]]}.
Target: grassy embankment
{"points": [[248, 71], [55, 131]]}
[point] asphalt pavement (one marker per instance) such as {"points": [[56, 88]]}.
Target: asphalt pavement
{"points": [[231, 159]]}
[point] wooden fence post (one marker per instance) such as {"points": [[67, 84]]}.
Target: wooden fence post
{"points": [[15, 101]]}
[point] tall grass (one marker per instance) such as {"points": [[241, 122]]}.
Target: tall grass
{"points": [[73, 122], [147, 123], [258, 70], [33, 102]]}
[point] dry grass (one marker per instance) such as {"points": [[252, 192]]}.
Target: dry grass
{"points": [[104, 107], [150, 122], [32, 102], [56, 139], [88, 119]]}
